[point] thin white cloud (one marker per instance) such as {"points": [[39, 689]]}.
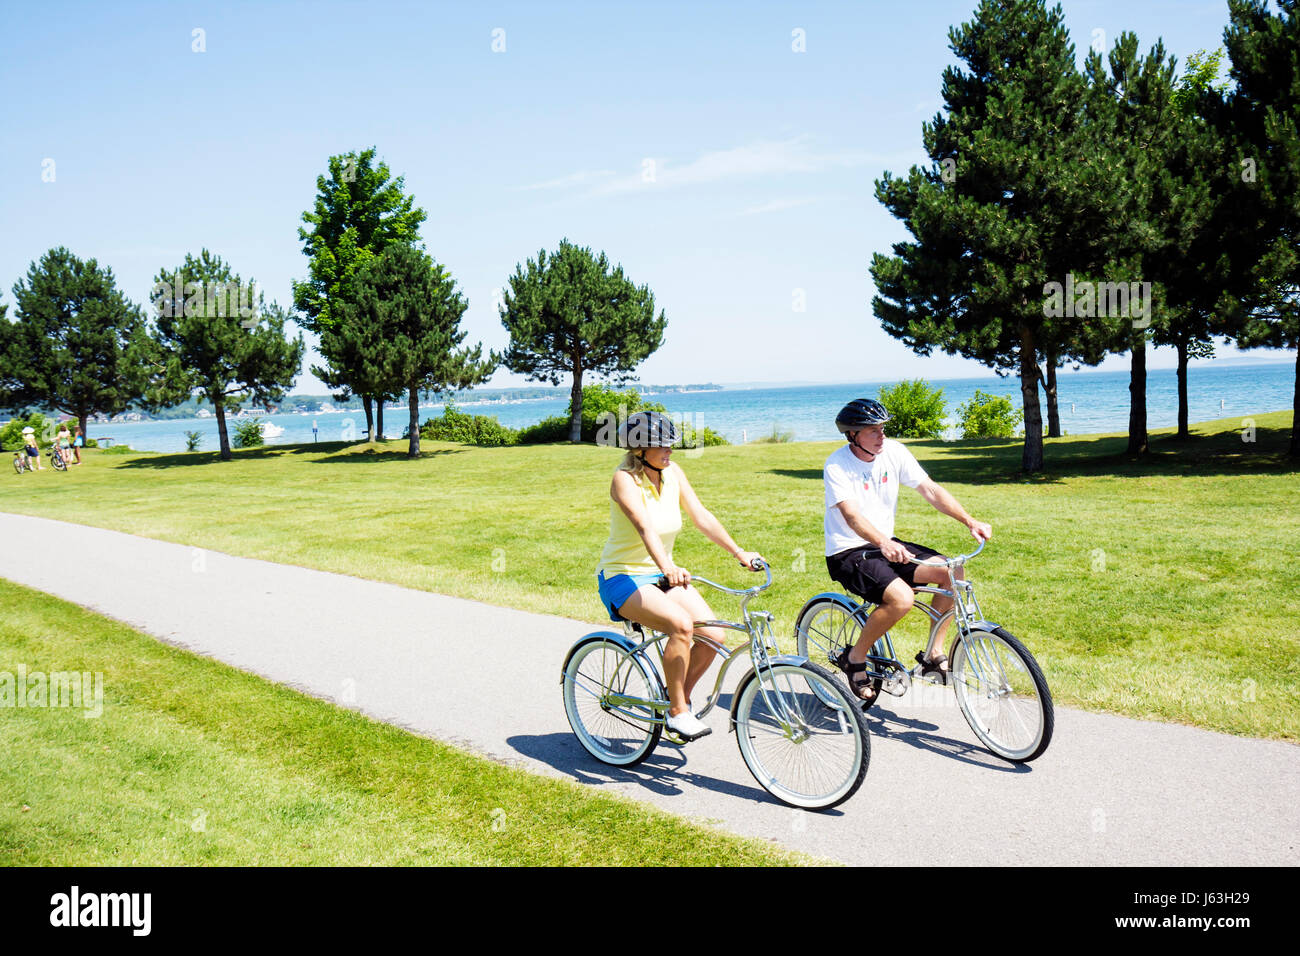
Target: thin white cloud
{"points": [[580, 178], [753, 161]]}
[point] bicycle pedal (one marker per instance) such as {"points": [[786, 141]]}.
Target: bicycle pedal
{"points": [[682, 740]]}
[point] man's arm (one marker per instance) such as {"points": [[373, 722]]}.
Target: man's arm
{"points": [[889, 548], [945, 503]]}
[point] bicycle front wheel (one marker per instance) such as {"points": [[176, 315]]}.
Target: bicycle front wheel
{"points": [[1002, 694], [801, 735], [613, 731]]}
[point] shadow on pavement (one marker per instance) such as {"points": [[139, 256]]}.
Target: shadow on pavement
{"points": [[885, 724], [665, 772]]}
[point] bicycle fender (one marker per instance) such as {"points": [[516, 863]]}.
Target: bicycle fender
{"points": [[749, 675], [853, 608], [987, 626], [623, 641], [612, 636]]}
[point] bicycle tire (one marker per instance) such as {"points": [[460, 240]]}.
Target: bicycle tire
{"points": [[823, 629], [1015, 719], [59, 463], [803, 779], [617, 739]]}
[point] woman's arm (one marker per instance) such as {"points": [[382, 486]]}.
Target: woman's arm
{"points": [[710, 526], [624, 491]]}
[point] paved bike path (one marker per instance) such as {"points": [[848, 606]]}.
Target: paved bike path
{"points": [[1109, 791]]}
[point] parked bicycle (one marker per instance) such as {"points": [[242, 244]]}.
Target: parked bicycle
{"points": [[999, 686], [799, 731]]}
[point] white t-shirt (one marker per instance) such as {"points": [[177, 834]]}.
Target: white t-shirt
{"points": [[872, 486]]}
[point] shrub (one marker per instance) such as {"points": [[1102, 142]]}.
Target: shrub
{"points": [[455, 425], [553, 429], [915, 410], [248, 433], [11, 436], [603, 409], [777, 437], [988, 416], [192, 441]]}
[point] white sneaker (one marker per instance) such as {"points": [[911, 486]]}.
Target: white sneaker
{"points": [[687, 726]]}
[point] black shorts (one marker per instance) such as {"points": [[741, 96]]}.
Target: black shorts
{"points": [[864, 571]]}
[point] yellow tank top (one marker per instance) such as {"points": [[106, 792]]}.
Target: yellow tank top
{"points": [[625, 552]]}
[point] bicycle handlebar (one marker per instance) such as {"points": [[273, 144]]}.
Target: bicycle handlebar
{"points": [[949, 562], [758, 564]]}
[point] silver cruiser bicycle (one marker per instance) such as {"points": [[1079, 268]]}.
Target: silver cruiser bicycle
{"points": [[999, 686], [800, 732]]}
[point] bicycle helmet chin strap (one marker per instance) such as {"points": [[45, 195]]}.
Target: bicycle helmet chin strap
{"points": [[646, 464], [854, 442]]}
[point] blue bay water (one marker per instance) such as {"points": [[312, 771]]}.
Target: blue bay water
{"points": [[1090, 402]]}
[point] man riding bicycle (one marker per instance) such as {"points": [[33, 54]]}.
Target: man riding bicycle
{"points": [[862, 554]]}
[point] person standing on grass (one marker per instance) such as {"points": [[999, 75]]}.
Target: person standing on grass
{"points": [[78, 440], [64, 438], [637, 578], [29, 446], [861, 481]]}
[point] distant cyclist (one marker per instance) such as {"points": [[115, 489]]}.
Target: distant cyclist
{"points": [[862, 554], [637, 577]]}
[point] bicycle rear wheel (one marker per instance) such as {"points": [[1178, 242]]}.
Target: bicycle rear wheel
{"points": [[825, 627], [612, 732], [801, 735], [1002, 694]]}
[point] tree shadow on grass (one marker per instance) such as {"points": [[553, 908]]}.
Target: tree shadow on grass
{"points": [[992, 460], [343, 452]]}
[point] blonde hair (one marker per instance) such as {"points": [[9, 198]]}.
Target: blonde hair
{"points": [[632, 462]]}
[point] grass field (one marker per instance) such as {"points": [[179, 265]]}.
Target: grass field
{"points": [[1157, 589], [194, 762]]}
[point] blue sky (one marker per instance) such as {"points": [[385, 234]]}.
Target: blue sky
{"points": [[689, 141]]}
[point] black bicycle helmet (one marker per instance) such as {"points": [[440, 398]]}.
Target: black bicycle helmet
{"points": [[648, 430], [859, 414]]}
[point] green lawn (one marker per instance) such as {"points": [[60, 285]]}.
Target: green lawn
{"points": [[1158, 589], [193, 762]]}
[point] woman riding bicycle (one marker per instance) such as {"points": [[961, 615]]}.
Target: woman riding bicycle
{"points": [[637, 578]]}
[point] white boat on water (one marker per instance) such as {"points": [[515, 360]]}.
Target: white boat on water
{"points": [[271, 430]]}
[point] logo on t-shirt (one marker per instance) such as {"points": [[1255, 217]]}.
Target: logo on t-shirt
{"points": [[884, 479]]}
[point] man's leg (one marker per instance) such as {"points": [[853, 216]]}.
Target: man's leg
{"points": [[942, 604], [897, 601]]}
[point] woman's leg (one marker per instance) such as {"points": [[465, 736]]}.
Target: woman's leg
{"points": [[692, 601], [652, 608]]}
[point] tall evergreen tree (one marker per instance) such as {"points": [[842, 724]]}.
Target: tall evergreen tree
{"points": [[79, 345], [408, 307], [1195, 267], [1264, 119], [568, 314], [221, 340], [1017, 195], [1138, 100], [359, 211]]}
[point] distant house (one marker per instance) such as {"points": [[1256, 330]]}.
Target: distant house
{"points": [[203, 413]]}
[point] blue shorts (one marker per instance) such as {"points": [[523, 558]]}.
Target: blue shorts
{"points": [[615, 591]]}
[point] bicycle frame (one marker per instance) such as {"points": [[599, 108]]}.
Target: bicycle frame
{"points": [[966, 611], [763, 652]]}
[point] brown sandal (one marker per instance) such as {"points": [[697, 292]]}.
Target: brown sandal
{"points": [[851, 670]]}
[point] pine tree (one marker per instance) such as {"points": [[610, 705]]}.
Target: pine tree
{"points": [[220, 339], [78, 345], [408, 311], [568, 314], [1017, 195], [1263, 119]]}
